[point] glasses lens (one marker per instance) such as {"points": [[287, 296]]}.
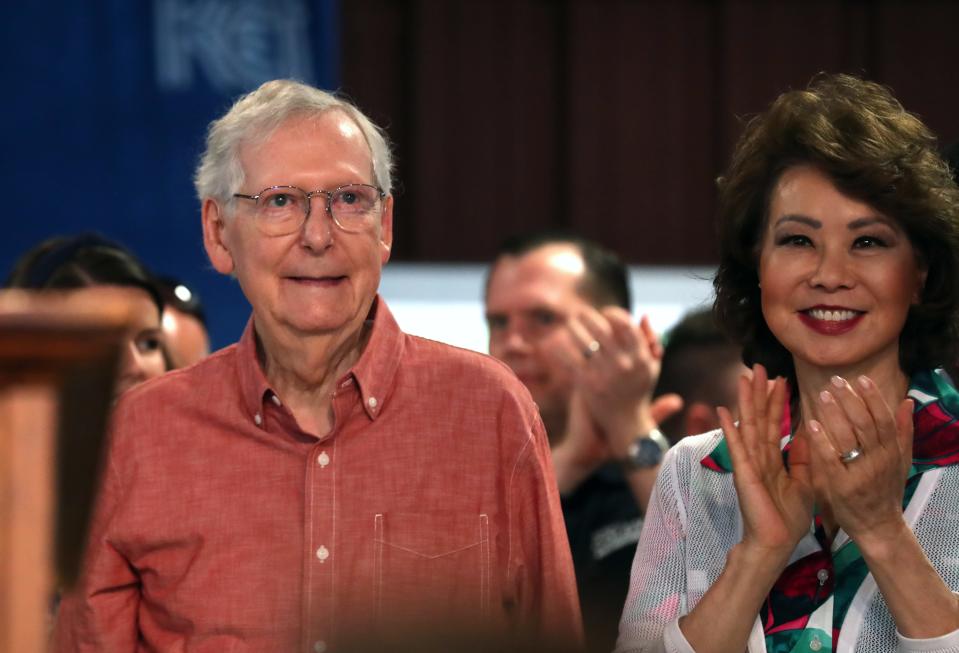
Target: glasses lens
{"points": [[355, 206], [281, 210]]}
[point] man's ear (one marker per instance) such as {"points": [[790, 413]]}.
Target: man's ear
{"points": [[214, 239], [700, 418], [386, 230]]}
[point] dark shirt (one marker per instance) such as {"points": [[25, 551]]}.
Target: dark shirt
{"points": [[603, 523]]}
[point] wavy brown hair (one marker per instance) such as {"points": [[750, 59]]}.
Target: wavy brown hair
{"points": [[873, 150]]}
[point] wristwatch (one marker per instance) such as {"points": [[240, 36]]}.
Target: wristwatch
{"points": [[646, 450]]}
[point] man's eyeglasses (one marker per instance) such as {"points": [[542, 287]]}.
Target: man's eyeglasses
{"points": [[282, 210]]}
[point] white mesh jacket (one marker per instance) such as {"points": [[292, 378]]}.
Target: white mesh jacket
{"points": [[693, 520]]}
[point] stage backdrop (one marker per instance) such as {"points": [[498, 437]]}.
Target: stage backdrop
{"points": [[105, 109]]}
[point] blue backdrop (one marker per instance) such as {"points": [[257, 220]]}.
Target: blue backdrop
{"points": [[106, 105]]}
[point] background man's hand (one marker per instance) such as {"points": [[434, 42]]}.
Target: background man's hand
{"points": [[615, 364]]}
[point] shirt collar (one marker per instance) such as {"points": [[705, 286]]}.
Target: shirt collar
{"points": [[373, 372], [254, 387], [935, 419]]}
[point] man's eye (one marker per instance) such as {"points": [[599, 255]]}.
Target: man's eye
{"points": [[496, 322], [348, 198], [545, 318], [278, 201]]}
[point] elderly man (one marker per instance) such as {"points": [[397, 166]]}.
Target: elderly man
{"points": [[557, 308], [328, 477]]}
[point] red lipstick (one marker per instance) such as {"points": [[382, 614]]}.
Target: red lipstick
{"points": [[814, 319]]}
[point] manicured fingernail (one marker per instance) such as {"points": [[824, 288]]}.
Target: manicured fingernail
{"points": [[826, 397], [864, 382], [838, 381], [815, 426]]}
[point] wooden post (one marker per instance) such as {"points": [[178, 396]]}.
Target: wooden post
{"points": [[58, 360]]}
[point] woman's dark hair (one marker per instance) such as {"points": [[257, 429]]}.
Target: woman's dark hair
{"points": [[70, 262], [873, 150]]}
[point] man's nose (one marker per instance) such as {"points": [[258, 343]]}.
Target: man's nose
{"points": [[516, 339], [317, 230]]}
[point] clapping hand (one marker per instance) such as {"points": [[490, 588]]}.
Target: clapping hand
{"points": [[861, 452], [776, 502], [615, 363]]}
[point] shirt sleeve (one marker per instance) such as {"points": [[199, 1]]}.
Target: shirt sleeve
{"points": [[539, 559], [658, 584], [100, 613], [948, 643]]}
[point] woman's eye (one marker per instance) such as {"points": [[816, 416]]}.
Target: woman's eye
{"points": [[148, 343], [866, 242], [793, 240]]}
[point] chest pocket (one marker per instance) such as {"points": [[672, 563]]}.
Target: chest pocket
{"points": [[430, 567]]}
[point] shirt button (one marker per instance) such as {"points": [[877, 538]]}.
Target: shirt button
{"points": [[823, 576], [323, 459], [322, 553], [258, 419], [815, 644], [320, 646], [372, 402]]}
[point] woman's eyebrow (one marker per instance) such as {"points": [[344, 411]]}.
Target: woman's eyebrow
{"points": [[802, 219], [870, 221]]}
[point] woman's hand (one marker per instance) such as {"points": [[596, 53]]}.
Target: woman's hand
{"points": [[866, 498], [776, 503], [865, 493]]}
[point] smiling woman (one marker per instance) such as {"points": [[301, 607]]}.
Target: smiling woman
{"points": [[823, 530], [97, 269]]}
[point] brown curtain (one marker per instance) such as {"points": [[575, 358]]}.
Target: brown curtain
{"points": [[609, 117]]}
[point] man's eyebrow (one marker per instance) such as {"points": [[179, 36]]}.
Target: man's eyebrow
{"points": [[802, 219]]}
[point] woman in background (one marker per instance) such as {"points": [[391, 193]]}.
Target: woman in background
{"points": [[97, 270], [839, 228]]}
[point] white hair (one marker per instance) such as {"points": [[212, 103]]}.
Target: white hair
{"points": [[254, 117]]}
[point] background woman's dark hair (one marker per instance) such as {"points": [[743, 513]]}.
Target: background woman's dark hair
{"points": [[874, 151], [69, 262]]}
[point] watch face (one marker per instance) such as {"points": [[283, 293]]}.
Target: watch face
{"points": [[645, 453]]}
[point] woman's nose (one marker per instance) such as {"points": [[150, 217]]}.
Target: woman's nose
{"points": [[832, 271]]}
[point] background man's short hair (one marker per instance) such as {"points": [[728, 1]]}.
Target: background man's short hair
{"points": [[607, 277]]}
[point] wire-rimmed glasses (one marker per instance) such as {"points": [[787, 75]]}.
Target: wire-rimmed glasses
{"points": [[282, 210]]}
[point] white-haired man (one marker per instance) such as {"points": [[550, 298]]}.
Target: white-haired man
{"points": [[328, 477]]}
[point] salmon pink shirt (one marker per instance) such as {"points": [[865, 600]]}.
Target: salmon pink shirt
{"points": [[222, 526]]}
